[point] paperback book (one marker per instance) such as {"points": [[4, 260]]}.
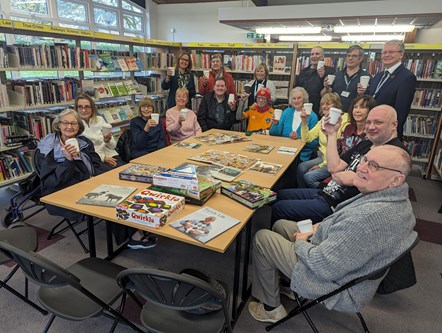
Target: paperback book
{"points": [[205, 224], [287, 150], [260, 149], [141, 173], [106, 195], [225, 158], [248, 194], [221, 138], [266, 167]]}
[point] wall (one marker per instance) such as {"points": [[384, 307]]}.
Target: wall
{"points": [[430, 36], [198, 23]]}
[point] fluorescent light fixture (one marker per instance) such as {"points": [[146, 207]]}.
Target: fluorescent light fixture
{"points": [[321, 38], [370, 38], [373, 28], [286, 31]]}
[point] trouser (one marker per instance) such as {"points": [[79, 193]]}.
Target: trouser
{"points": [[273, 252]]}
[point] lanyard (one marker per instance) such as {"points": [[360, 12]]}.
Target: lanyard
{"points": [[381, 83], [347, 82]]}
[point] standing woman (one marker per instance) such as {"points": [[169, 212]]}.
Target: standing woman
{"points": [[177, 125], [289, 125], [103, 141], [183, 78], [261, 77], [206, 85], [147, 134]]}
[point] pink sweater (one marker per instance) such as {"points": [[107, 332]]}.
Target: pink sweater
{"points": [[188, 128]]}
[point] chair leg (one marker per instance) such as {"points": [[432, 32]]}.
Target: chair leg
{"points": [[48, 324], [23, 298], [70, 225], [306, 315], [363, 323], [76, 236]]}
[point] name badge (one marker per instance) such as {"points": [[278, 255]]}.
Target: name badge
{"points": [[345, 94]]}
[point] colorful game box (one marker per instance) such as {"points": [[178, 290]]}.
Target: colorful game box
{"points": [[150, 208], [141, 173]]}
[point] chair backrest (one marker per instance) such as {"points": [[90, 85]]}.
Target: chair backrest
{"points": [[35, 164], [40, 270], [123, 147]]}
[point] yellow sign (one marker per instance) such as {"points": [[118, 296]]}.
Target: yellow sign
{"points": [[5, 23], [161, 42], [423, 47], [32, 26], [239, 45], [138, 40], [102, 35]]}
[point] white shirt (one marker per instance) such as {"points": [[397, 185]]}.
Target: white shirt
{"points": [[93, 133]]}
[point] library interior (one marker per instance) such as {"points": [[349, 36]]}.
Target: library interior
{"points": [[219, 166]]}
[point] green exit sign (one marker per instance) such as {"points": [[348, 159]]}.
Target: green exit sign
{"points": [[252, 35]]}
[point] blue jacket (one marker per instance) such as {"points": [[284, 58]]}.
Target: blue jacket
{"points": [[145, 142], [284, 128]]}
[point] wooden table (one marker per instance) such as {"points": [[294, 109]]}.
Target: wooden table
{"points": [[172, 156]]}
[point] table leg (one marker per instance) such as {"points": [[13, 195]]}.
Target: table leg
{"points": [[91, 236], [245, 283], [236, 278]]}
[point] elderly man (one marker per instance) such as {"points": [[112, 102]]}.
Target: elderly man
{"points": [[303, 203], [363, 234], [311, 78], [395, 86], [215, 110]]}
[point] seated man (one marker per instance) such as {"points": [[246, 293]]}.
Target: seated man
{"points": [[299, 204], [215, 110], [364, 234]]}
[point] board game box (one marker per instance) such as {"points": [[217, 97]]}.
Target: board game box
{"points": [[141, 173], [248, 194]]}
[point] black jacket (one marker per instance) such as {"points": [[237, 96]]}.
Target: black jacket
{"points": [[207, 113]]}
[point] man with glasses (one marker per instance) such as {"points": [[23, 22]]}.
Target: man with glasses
{"points": [[395, 86], [346, 83], [302, 203], [311, 78], [363, 234]]}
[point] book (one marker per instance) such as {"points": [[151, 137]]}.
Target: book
{"points": [[87, 86], [121, 88], [113, 89], [205, 224], [140, 173], [187, 145], [279, 63], [248, 194], [150, 208], [188, 199], [266, 167], [225, 158], [101, 90], [106, 195], [287, 150], [438, 70], [130, 87], [221, 138], [260, 149]]}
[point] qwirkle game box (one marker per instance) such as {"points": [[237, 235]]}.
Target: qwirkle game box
{"points": [[150, 208]]}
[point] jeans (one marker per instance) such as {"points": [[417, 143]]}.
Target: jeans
{"points": [[312, 178]]}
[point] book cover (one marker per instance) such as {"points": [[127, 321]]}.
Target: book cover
{"points": [[113, 89], [438, 70], [141, 173], [205, 224], [130, 87], [107, 62], [87, 86], [123, 65], [150, 208], [131, 63], [248, 194], [266, 167], [187, 145], [106, 195], [188, 200], [287, 150], [260, 149], [279, 63], [225, 158], [101, 90], [121, 88]]}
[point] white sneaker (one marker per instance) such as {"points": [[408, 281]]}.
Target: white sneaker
{"points": [[258, 312], [286, 291]]}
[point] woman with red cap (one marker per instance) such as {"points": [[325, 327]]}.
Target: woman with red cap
{"points": [[259, 115]]}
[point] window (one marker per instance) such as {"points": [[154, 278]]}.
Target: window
{"points": [[113, 3], [105, 17], [32, 7], [128, 6], [72, 10], [132, 22], [26, 39]]}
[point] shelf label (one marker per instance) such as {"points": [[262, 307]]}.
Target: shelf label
{"points": [[32, 26], [240, 45], [103, 35], [140, 40], [5, 23], [162, 42], [423, 47]]}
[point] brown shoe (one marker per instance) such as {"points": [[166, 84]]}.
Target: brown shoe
{"points": [[258, 312]]}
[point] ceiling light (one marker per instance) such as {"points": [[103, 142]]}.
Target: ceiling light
{"points": [[374, 28], [299, 30], [371, 38], [321, 38]]}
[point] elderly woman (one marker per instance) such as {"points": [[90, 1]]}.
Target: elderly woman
{"points": [[311, 173], [289, 125], [183, 78], [206, 85], [63, 162], [96, 131], [261, 79], [147, 134], [181, 123], [259, 115]]}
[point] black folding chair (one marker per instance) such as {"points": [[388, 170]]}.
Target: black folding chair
{"points": [[169, 298], [86, 289], [304, 304], [24, 238]]}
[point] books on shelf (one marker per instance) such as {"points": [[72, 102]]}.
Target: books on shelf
{"points": [[428, 97], [420, 124], [106, 195], [279, 63], [150, 208], [287, 150], [260, 149], [248, 194], [205, 224], [418, 147], [113, 89], [87, 87], [140, 173], [158, 60]]}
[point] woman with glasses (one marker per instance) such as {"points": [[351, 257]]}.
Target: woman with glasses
{"points": [[183, 78], [206, 84], [65, 158], [96, 131]]}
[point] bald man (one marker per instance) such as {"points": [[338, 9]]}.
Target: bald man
{"points": [[299, 204], [364, 234]]}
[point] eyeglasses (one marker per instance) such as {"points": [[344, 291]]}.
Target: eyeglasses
{"points": [[353, 56], [145, 107], [84, 107], [67, 123], [374, 166], [390, 52]]}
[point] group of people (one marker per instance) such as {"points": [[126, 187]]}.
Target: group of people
{"points": [[351, 175]]}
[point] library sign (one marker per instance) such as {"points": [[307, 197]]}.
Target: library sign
{"points": [[252, 35], [52, 29]]}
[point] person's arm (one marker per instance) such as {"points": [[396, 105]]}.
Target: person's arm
{"points": [[334, 162], [271, 85], [202, 85], [309, 135], [202, 113], [344, 178], [172, 124]]}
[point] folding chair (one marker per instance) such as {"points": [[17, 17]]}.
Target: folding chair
{"points": [[304, 304], [86, 289], [24, 238], [168, 298]]}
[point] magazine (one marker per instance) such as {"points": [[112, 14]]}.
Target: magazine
{"points": [[221, 138], [225, 158], [106, 195], [204, 224], [187, 145], [287, 150], [266, 167], [248, 194], [261, 149]]}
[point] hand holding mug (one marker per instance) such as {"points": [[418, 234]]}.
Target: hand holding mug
{"points": [[152, 122], [107, 137], [181, 118], [321, 72], [274, 121]]}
